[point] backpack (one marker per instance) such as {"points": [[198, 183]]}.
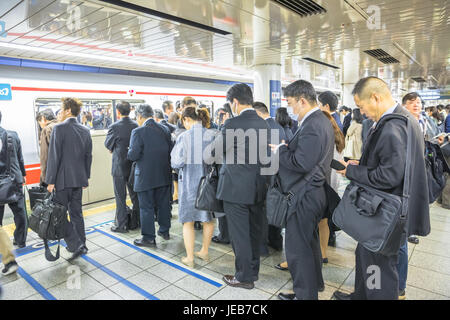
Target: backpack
{"points": [[436, 166]]}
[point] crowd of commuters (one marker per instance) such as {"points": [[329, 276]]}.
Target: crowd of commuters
{"points": [[161, 157]]}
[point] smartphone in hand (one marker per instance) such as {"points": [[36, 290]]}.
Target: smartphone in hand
{"points": [[336, 165]]}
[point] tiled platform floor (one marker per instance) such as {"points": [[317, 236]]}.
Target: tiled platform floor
{"points": [[121, 271]]}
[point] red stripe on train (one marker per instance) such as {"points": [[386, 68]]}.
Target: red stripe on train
{"points": [[67, 90]]}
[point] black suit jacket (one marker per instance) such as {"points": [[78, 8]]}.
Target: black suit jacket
{"points": [[17, 166], [117, 141], [241, 181], [168, 125], [276, 126], [347, 122], [313, 142], [69, 155], [382, 166], [150, 147]]}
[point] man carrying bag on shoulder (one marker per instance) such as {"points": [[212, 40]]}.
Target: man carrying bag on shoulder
{"points": [[385, 172]]}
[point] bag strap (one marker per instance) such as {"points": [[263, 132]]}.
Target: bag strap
{"points": [[407, 175], [9, 149], [48, 254]]}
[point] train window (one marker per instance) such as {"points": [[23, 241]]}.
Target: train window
{"points": [[96, 114]]}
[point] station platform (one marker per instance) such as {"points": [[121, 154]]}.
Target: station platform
{"points": [[115, 269]]}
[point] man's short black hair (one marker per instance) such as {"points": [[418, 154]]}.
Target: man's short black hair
{"points": [[47, 114], [166, 105], [73, 104], [159, 114], [301, 89], [440, 107], [410, 96], [145, 111], [124, 108], [330, 99], [261, 107], [242, 93]]}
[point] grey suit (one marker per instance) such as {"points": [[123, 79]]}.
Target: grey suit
{"points": [[17, 168], [69, 168], [117, 141], [313, 142]]}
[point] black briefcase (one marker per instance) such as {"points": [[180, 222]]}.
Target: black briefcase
{"points": [[134, 221], [206, 192], [49, 221]]}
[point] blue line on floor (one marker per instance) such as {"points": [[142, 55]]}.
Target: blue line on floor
{"points": [[199, 276], [42, 291], [130, 285]]}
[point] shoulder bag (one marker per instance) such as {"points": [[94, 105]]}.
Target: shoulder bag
{"points": [[374, 218], [206, 192]]}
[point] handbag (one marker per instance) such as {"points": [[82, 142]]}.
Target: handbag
{"points": [[49, 221], [374, 218], [134, 221], [206, 192], [10, 190]]}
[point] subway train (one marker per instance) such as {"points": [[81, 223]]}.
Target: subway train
{"points": [[37, 89]]}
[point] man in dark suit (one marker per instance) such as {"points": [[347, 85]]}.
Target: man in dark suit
{"points": [[304, 164], [160, 118], [150, 147], [117, 142], [69, 169], [10, 139], [241, 185], [167, 107], [382, 167], [328, 101], [271, 234], [347, 120]]}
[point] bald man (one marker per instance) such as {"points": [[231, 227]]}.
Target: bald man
{"points": [[382, 167]]}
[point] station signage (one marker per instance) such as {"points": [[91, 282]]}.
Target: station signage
{"points": [[3, 34], [275, 96], [5, 91], [430, 94]]}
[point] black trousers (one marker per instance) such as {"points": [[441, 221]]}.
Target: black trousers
{"points": [[20, 219], [121, 185], [223, 229], [245, 223], [376, 276], [151, 201], [302, 243], [75, 231]]}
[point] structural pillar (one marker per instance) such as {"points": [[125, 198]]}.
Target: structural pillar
{"points": [[350, 75], [267, 63]]}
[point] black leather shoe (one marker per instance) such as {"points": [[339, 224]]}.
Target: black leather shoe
{"points": [[165, 236], [279, 267], [339, 295], [322, 288], [233, 282], [22, 245], [216, 239], [286, 296], [413, 239], [325, 260], [81, 251], [118, 230], [145, 243]]}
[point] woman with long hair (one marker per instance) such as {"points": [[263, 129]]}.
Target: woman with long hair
{"points": [[187, 157]]}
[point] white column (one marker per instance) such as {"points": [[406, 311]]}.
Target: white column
{"points": [[350, 75], [267, 64]]}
